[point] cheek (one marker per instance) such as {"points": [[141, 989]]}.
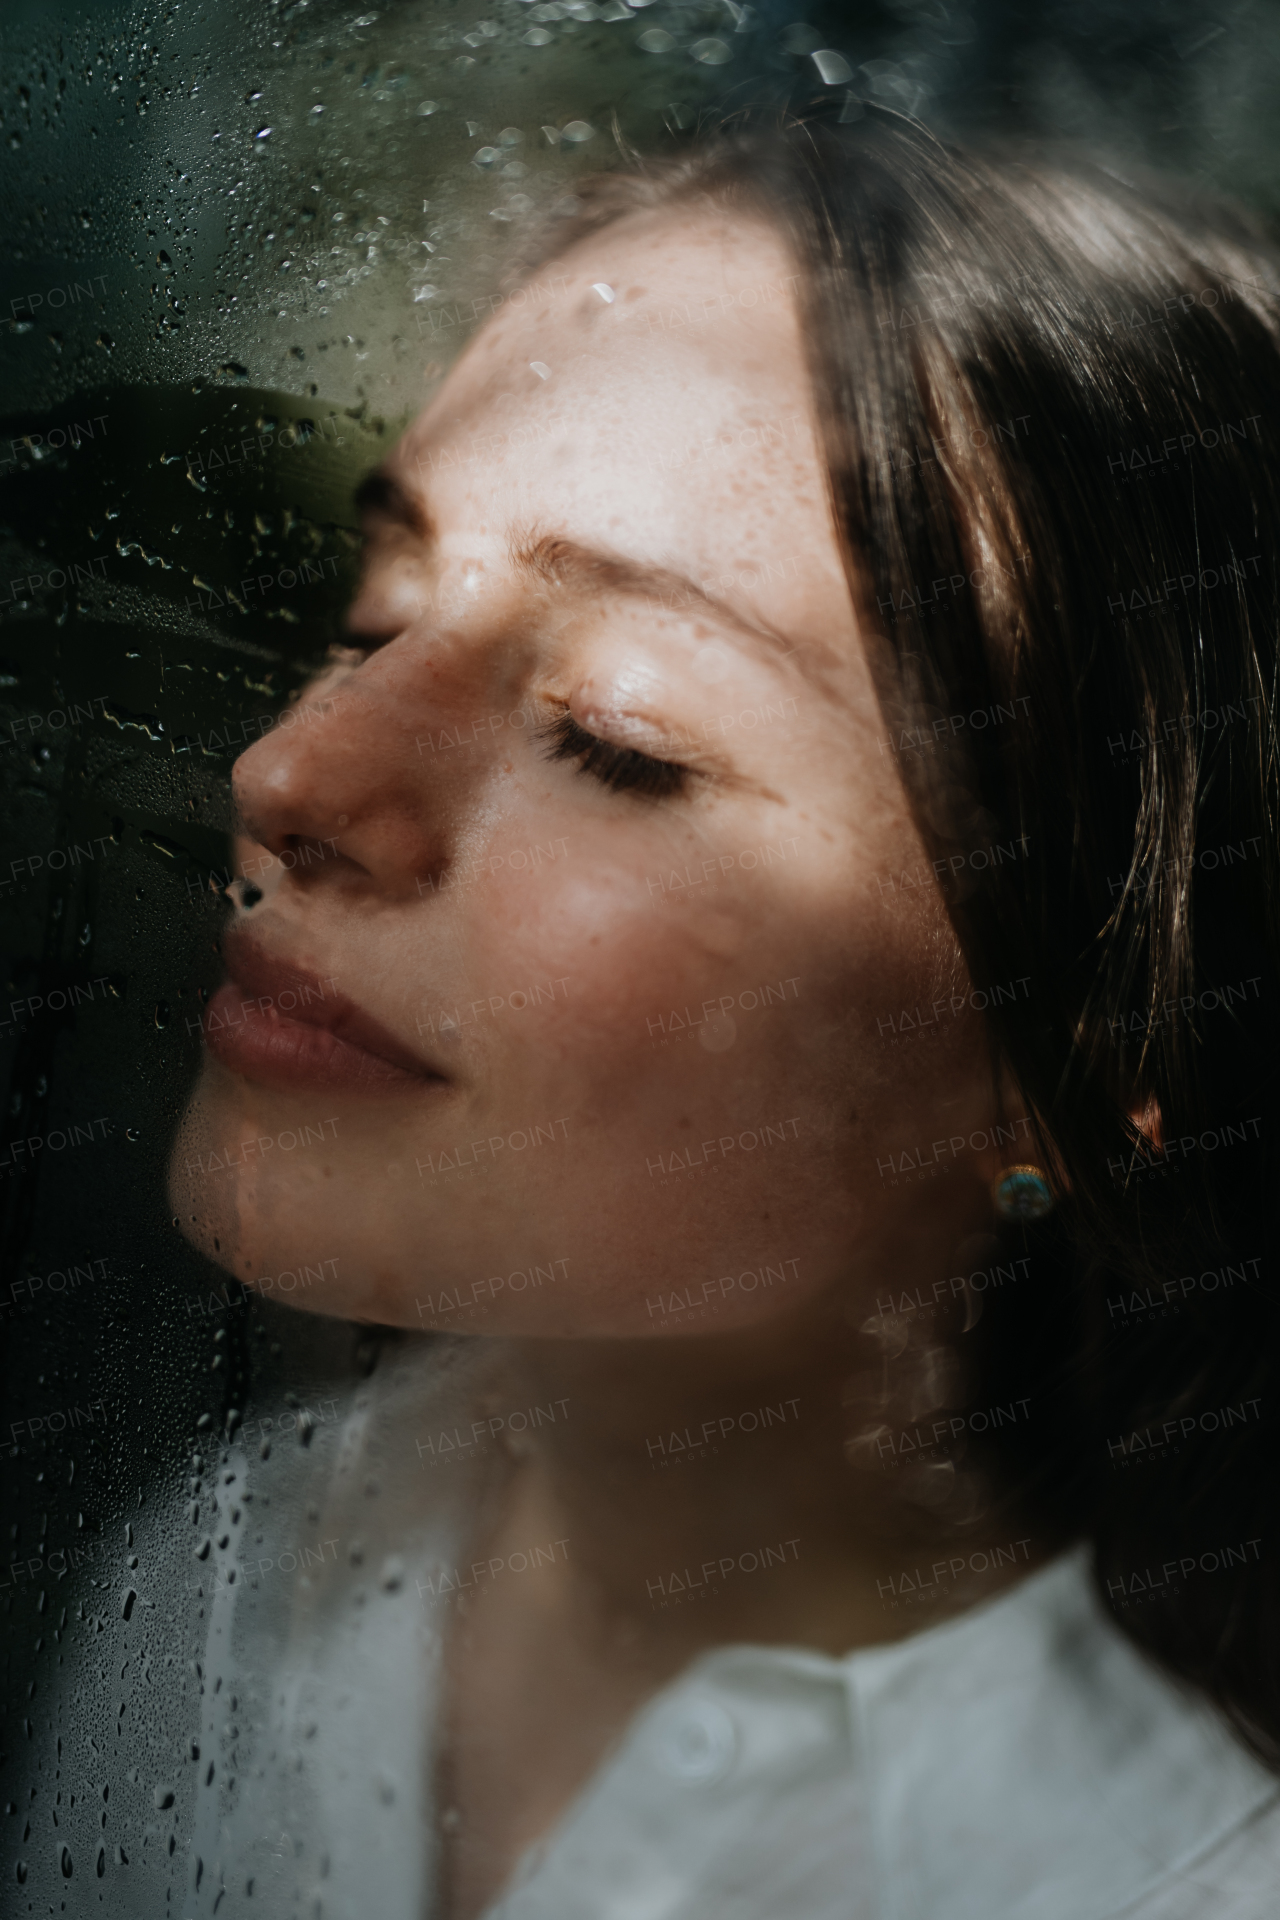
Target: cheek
{"points": [[632, 950], [690, 994]]}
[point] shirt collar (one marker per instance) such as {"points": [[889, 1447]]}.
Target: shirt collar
{"points": [[1027, 1759]]}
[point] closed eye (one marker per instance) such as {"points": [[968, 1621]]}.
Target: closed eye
{"points": [[621, 768]]}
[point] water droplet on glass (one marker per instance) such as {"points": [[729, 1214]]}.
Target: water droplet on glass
{"points": [[833, 69], [711, 663], [800, 38], [718, 1033], [517, 204]]}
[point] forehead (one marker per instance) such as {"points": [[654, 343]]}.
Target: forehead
{"points": [[646, 392]]}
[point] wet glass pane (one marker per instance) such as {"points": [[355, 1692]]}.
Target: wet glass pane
{"points": [[636, 1272]]}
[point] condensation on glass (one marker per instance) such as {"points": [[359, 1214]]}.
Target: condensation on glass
{"points": [[244, 244]]}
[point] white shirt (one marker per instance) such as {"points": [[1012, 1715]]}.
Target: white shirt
{"points": [[1020, 1762]]}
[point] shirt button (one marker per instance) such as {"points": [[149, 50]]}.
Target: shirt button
{"points": [[697, 1742]]}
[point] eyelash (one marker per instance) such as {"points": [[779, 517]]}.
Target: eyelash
{"points": [[621, 769]]}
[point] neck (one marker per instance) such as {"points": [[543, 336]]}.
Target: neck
{"points": [[719, 1465]]}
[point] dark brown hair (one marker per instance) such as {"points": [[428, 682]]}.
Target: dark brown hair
{"points": [[1051, 403]]}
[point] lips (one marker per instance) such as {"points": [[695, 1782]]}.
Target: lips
{"points": [[282, 1025]]}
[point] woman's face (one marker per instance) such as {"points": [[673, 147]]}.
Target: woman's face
{"points": [[533, 1036]]}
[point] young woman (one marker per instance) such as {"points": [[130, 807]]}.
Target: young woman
{"points": [[764, 952]]}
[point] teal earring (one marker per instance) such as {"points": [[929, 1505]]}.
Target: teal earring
{"points": [[1022, 1193]]}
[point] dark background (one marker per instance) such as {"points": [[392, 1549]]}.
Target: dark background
{"points": [[254, 296]]}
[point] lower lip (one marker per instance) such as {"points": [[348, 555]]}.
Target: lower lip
{"points": [[275, 1051]]}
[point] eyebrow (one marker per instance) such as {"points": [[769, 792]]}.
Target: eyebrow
{"points": [[557, 560]]}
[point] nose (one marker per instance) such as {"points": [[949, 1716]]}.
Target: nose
{"points": [[339, 790]]}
